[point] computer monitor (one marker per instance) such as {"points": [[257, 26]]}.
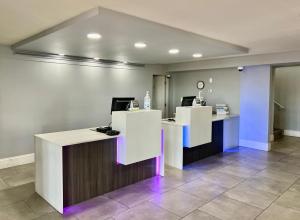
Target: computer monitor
{"points": [[120, 104], [187, 100]]}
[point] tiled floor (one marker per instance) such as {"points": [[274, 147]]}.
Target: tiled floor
{"points": [[239, 184]]}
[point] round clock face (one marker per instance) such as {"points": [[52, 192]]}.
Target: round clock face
{"points": [[200, 85]]}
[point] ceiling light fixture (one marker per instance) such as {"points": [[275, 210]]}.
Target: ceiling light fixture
{"points": [[125, 62], [96, 58], [173, 51], [197, 55], [140, 45], [93, 36], [61, 54]]}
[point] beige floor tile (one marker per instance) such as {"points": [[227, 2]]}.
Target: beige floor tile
{"points": [[295, 186], [240, 171], [228, 209], [251, 196], [290, 199], [95, 209], [146, 211], [250, 163], [198, 215], [284, 148], [178, 202], [267, 185], [7, 172], [162, 184], [132, 195], [278, 175], [270, 156], [16, 194], [3, 185], [24, 174], [229, 157], [19, 179], [39, 205], [223, 179], [207, 165], [219, 159], [276, 212], [291, 160], [202, 189], [56, 216], [286, 167], [296, 153], [17, 211], [186, 175], [26, 168]]}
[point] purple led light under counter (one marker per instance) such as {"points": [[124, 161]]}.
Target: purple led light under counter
{"points": [[158, 159]]}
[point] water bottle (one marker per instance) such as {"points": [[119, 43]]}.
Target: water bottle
{"points": [[147, 101]]}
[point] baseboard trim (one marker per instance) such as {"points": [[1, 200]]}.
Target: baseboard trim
{"points": [[16, 161], [255, 145], [292, 133]]}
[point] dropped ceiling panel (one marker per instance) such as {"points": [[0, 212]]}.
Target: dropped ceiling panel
{"points": [[119, 33]]}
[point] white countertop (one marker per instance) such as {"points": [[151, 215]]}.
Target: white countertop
{"points": [[65, 138], [214, 118], [223, 117]]}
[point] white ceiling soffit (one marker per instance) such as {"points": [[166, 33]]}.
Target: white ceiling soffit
{"points": [[119, 32]]}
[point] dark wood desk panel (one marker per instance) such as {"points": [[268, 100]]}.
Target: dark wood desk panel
{"points": [[193, 154], [90, 169]]}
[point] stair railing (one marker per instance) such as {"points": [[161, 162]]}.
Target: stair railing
{"points": [[278, 104]]}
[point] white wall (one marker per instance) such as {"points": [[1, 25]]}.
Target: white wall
{"points": [[255, 107], [38, 96]]}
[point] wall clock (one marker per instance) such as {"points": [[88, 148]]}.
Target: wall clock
{"points": [[200, 85]]}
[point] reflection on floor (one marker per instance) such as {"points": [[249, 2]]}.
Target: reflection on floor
{"points": [[239, 184]]}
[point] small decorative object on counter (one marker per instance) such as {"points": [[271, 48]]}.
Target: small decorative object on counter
{"points": [[134, 105], [196, 102], [200, 100], [147, 101]]}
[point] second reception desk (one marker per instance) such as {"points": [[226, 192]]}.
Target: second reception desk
{"points": [[224, 135]]}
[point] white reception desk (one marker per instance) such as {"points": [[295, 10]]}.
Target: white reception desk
{"points": [[73, 166], [212, 132]]}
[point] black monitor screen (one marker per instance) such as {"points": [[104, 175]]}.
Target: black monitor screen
{"points": [[187, 100], [120, 104]]}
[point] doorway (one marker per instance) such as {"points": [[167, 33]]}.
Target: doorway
{"points": [[160, 96]]}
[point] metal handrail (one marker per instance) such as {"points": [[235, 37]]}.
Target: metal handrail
{"points": [[278, 104]]}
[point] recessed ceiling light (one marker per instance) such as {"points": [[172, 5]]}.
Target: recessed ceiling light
{"points": [[125, 62], [140, 45], [173, 51], [96, 58], [197, 55], [61, 54], [93, 36]]}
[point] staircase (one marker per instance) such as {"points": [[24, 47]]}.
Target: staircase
{"points": [[278, 134], [278, 111]]}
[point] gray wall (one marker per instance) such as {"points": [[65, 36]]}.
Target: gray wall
{"points": [[225, 87], [38, 96], [255, 104], [287, 92]]}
